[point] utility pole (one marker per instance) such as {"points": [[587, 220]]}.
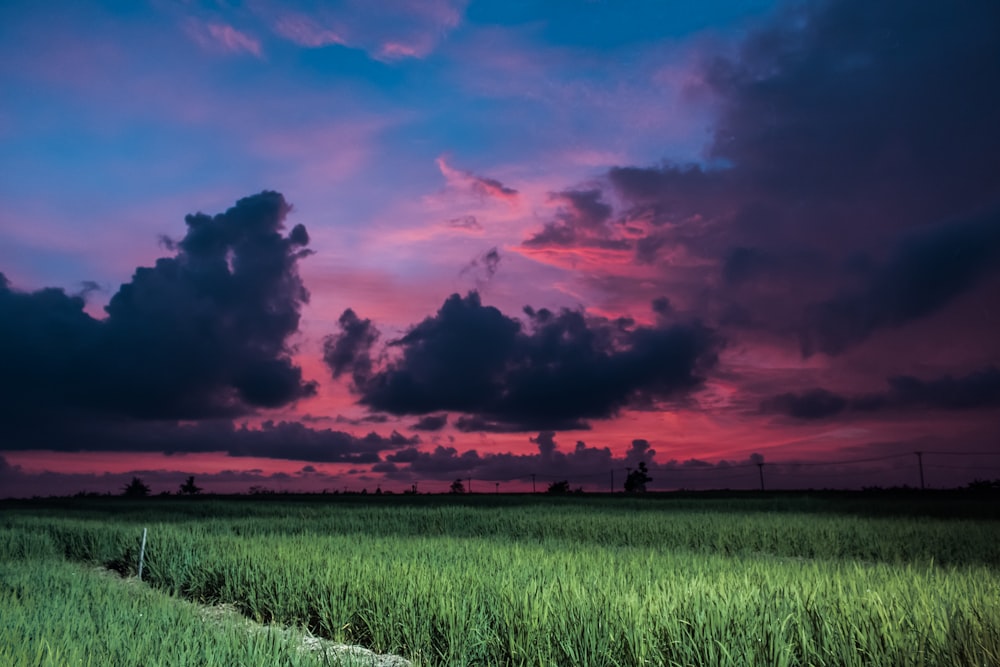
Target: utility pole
{"points": [[760, 470], [469, 480], [498, 487], [920, 463], [533, 482]]}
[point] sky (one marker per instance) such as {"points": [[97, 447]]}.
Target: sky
{"points": [[305, 246]]}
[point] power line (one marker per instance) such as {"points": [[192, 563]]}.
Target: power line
{"points": [[937, 465], [841, 462], [727, 472]]}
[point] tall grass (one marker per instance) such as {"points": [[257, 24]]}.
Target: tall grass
{"points": [[57, 614], [595, 583]]}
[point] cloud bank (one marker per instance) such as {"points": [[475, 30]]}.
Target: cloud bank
{"points": [[851, 185], [554, 370]]}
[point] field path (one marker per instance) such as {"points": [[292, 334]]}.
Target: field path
{"points": [[342, 655]]}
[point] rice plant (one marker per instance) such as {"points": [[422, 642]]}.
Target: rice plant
{"points": [[537, 582]]}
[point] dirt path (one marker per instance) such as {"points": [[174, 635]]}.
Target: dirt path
{"points": [[336, 653], [330, 652]]}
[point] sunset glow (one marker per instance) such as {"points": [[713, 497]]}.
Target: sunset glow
{"points": [[322, 247]]}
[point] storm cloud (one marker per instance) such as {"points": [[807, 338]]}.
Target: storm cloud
{"points": [[977, 390], [202, 333], [848, 133], [276, 440], [926, 270], [582, 219], [430, 423], [554, 370], [350, 351]]}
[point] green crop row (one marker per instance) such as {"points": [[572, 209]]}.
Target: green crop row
{"points": [[564, 584], [58, 614], [98, 530]]}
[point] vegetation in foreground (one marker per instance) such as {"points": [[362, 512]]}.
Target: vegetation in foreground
{"points": [[544, 581], [58, 613]]}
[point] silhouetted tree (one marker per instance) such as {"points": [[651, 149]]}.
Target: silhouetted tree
{"points": [[188, 488], [457, 487], [136, 489], [558, 487], [637, 479]]}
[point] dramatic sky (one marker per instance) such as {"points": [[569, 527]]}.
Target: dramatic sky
{"points": [[340, 245]]}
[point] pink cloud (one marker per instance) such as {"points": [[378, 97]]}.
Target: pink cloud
{"points": [[222, 37], [478, 185], [306, 31], [388, 31], [391, 50]]}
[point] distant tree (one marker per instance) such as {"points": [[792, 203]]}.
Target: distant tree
{"points": [[637, 479], [378, 490], [558, 487], [188, 488], [457, 487], [136, 489]]}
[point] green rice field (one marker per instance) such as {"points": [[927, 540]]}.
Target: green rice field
{"points": [[505, 580]]}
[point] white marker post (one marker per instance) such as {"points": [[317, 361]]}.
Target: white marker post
{"points": [[142, 552]]}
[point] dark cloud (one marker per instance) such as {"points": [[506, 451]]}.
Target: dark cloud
{"points": [[430, 423], [490, 187], [925, 271], [21, 484], [640, 451], [663, 307], [546, 442], [594, 468], [491, 260], [350, 350], [812, 404], [548, 464], [671, 193], [203, 333], [481, 186], [584, 208], [980, 389], [367, 419], [484, 266], [553, 234], [647, 248], [553, 371], [844, 128], [886, 104], [582, 218], [743, 264], [88, 287], [976, 390], [469, 222], [276, 440], [479, 424]]}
